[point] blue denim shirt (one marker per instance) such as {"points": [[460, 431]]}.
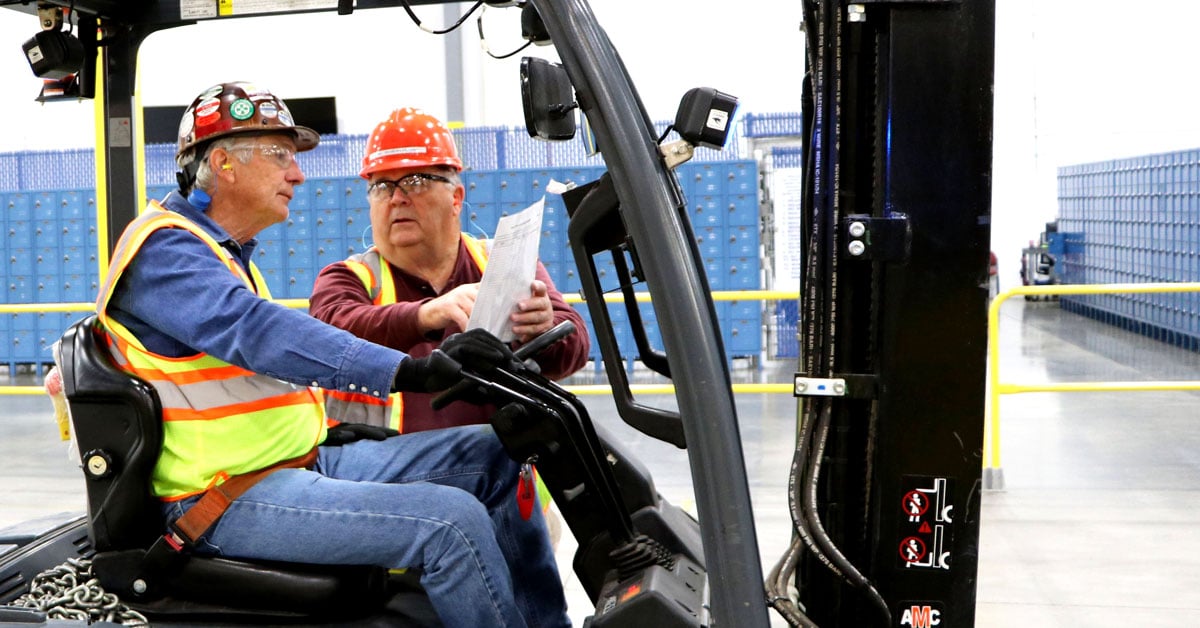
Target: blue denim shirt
{"points": [[179, 300]]}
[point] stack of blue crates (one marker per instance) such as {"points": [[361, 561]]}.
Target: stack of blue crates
{"points": [[51, 234], [1134, 220], [50, 257], [723, 202]]}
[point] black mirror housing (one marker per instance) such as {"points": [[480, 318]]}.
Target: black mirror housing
{"points": [[704, 115], [548, 100], [53, 54]]}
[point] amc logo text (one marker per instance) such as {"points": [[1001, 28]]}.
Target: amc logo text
{"points": [[921, 617]]}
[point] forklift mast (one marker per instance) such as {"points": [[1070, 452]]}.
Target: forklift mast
{"points": [[893, 312]]}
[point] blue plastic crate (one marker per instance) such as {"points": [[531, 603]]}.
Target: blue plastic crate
{"points": [[772, 125]]}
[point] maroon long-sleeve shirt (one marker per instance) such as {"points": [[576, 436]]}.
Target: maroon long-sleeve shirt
{"points": [[339, 298]]}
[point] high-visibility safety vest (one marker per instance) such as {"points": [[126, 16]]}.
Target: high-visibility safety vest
{"points": [[376, 277], [219, 420], [349, 407]]}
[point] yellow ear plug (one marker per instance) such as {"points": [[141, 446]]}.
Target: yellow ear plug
{"points": [[226, 167]]}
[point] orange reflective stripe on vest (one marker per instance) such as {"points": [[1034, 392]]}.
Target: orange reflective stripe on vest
{"points": [[219, 419]]}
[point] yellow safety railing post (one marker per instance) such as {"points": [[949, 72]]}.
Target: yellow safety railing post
{"points": [[993, 473]]}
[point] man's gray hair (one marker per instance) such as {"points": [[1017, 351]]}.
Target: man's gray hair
{"points": [[450, 172], [204, 175]]}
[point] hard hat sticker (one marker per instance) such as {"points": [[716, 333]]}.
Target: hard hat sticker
{"points": [[405, 150], [208, 120], [185, 126], [212, 91], [286, 118], [207, 107], [241, 109], [268, 109]]}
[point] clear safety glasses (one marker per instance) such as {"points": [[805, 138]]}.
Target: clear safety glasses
{"points": [[281, 156], [411, 185]]}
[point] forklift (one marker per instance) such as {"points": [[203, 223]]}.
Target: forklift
{"points": [[884, 489], [1040, 261]]}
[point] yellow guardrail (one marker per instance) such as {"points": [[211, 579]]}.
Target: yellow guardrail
{"points": [[993, 473], [642, 297], [35, 308], [598, 389], [21, 390], [993, 477]]}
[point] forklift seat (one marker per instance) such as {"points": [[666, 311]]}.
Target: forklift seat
{"points": [[117, 423]]}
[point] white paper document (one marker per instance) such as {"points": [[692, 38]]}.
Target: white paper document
{"points": [[511, 268]]}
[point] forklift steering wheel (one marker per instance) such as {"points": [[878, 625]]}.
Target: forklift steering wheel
{"points": [[524, 352]]}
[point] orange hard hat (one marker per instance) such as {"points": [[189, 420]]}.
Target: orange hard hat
{"points": [[236, 108], [409, 138]]}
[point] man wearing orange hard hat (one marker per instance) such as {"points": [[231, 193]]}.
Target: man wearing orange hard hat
{"points": [[417, 285]]}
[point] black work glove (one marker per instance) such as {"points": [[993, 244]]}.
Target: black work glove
{"points": [[478, 350], [343, 433], [475, 349], [434, 372]]}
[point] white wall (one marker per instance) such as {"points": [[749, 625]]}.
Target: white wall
{"points": [[752, 49], [376, 60], [1079, 81], [1076, 80]]}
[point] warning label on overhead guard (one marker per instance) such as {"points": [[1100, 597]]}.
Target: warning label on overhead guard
{"points": [[926, 522], [200, 9], [197, 9], [253, 7]]}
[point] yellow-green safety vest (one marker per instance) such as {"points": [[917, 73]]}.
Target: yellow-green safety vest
{"points": [[376, 277], [219, 420]]}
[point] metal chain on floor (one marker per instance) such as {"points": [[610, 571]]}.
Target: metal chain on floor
{"points": [[69, 591]]}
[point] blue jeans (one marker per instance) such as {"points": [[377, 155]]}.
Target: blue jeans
{"points": [[442, 500]]}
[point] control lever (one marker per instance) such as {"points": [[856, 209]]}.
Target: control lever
{"points": [[525, 351]]}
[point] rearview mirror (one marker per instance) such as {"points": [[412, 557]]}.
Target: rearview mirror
{"points": [[548, 99]]}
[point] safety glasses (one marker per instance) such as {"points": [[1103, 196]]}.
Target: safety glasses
{"points": [[281, 156], [410, 185]]}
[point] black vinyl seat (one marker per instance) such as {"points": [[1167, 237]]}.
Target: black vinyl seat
{"points": [[117, 423]]}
